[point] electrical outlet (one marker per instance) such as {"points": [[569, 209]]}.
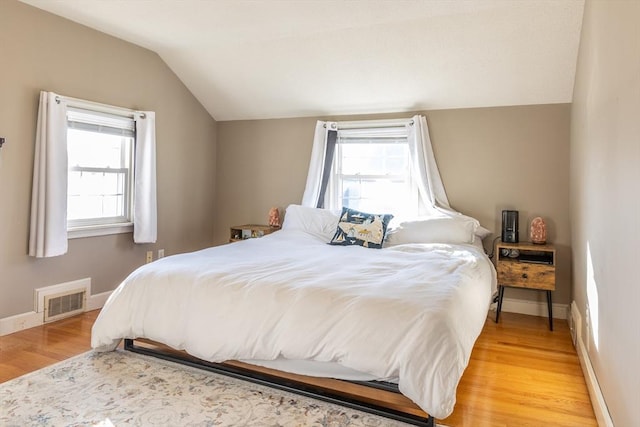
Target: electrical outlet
{"points": [[160, 253], [149, 256]]}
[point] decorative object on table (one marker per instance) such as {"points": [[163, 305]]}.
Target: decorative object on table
{"points": [[538, 231], [514, 253], [510, 226], [274, 217]]}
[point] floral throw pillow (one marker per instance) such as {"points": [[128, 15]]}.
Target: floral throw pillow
{"points": [[359, 228]]}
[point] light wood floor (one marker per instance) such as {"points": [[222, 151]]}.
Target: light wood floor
{"points": [[520, 373]]}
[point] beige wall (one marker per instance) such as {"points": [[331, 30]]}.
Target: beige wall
{"points": [[40, 51], [489, 158], [605, 199]]}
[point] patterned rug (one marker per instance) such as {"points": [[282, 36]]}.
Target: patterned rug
{"points": [[122, 389]]}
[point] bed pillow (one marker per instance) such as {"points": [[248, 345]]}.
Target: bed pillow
{"points": [[360, 228], [320, 223], [434, 230]]}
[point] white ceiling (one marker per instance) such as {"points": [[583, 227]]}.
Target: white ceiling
{"points": [[254, 59]]}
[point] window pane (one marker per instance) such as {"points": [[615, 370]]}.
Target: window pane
{"points": [[96, 195], [376, 195], [92, 149], [374, 158]]}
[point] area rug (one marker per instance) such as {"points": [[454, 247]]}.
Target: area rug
{"points": [[125, 389]]}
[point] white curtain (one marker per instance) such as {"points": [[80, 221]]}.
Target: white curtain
{"points": [[312, 189], [145, 214], [425, 170], [48, 231]]}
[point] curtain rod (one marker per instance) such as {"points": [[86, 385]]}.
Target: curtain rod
{"points": [[104, 108], [367, 124]]}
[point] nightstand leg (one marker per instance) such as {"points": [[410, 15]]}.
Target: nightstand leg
{"points": [[549, 304], [499, 308]]}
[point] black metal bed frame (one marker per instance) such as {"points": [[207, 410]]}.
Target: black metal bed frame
{"points": [[290, 385]]}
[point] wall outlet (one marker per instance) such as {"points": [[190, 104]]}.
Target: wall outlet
{"points": [[149, 256], [160, 253]]}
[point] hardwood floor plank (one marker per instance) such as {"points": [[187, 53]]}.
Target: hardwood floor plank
{"points": [[35, 348], [520, 373]]}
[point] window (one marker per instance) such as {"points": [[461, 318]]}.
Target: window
{"points": [[100, 150], [371, 172], [84, 181]]}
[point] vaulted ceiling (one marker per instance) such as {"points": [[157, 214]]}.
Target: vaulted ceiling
{"points": [[254, 59]]}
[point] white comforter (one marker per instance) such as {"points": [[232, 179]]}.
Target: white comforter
{"points": [[410, 311]]}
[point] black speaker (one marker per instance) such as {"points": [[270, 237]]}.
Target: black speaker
{"points": [[510, 226]]}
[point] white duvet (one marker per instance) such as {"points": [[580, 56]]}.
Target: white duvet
{"points": [[411, 311]]}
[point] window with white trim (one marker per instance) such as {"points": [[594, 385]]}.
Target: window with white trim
{"points": [[371, 172], [100, 150]]}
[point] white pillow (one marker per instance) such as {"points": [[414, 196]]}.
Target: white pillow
{"points": [[434, 230], [321, 223], [480, 231]]}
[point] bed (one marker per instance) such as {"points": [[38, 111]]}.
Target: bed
{"points": [[408, 313]]}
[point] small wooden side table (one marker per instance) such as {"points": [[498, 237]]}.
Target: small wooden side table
{"points": [[249, 231], [527, 266]]}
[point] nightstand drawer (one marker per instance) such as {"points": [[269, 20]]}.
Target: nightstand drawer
{"points": [[526, 275]]}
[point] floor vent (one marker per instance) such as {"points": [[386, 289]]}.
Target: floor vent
{"points": [[63, 300], [64, 305]]}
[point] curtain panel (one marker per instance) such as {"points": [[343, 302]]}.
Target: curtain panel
{"points": [[320, 164], [48, 230], [145, 207], [424, 169]]}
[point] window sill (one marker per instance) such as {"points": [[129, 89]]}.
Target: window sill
{"points": [[99, 230]]}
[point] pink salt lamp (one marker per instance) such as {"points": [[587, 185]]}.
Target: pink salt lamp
{"points": [[274, 217], [538, 231]]}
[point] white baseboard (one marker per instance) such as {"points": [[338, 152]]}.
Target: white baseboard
{"points": [[595, 393], [31, 319], [97, 301], [534, 308], [16, 323]]}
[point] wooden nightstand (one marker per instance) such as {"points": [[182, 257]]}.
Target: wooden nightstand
{"points": [[528, 266], [249, 231]]}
